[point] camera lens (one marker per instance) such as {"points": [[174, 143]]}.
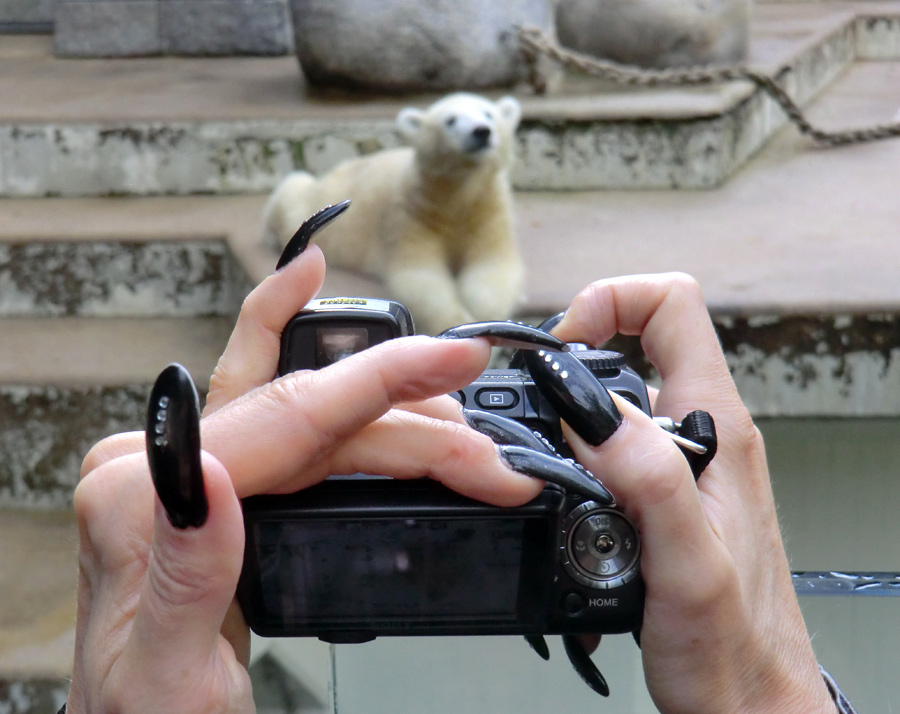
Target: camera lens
{"points": [[601, 546]]}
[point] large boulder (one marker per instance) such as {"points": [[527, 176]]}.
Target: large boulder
{"points": [[657, 33], [403, 46]]}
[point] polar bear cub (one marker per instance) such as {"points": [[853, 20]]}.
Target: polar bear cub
{"points": [[432, 220]]}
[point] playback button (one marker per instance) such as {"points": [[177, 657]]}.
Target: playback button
{"points": [[496, 398]]}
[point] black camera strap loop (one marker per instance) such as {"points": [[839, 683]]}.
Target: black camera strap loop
{"points": [[699, 427]]}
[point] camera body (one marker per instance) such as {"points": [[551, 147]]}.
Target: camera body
{"points": [[362, 556]]}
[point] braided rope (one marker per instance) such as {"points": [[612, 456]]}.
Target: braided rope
{"points": [[535, 43]]}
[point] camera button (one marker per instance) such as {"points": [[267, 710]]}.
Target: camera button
{"points": [[573, 604], [496, 398]]}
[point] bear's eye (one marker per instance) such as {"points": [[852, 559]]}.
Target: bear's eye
{"points": [[450, 121]]}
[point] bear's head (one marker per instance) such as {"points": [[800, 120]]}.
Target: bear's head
{"points": [[462, 131]]}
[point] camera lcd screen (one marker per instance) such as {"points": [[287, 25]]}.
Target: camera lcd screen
{"points": [[336, 343], [382, 569]]}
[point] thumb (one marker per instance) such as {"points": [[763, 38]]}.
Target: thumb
{"points": [[192, 574], [198, 536]]}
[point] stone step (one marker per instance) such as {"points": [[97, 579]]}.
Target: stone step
{"points": [[185, 126], [127, 258], [65, 383], [127, 277]]}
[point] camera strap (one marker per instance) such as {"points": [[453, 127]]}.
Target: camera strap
{"points": [[699, 427]]}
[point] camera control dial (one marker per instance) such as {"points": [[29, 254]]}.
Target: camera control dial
{"points": [[600, 547]]}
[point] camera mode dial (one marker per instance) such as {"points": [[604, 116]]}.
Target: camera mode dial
{"points": [[600, 547], [600, 362]]}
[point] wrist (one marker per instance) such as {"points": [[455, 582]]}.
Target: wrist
{"points": [[800, 687]]}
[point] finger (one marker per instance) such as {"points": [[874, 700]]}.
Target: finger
{"points": [[191, 578], [280, 427], [443, 407], [654, 484], [669, 313], [112, 448], [251, 356], [406, 445]]}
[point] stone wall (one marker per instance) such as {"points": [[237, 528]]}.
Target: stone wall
{"points": [[123, 28]]}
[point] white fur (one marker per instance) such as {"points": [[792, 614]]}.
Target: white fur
{"points": [[432, 220]]}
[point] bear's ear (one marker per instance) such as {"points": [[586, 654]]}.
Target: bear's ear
{"points": [[510, 110], [410, 121]]}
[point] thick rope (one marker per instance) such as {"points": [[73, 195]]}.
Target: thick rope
{"points": [[535, 43]]}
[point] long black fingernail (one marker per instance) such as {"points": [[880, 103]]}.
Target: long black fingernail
{"points": [[552, 321], [516, 361], [584, 665], [539, 645], [576, 394], [506, 431], [569, 475], [507, 334], [173, 447], [311, 225]]}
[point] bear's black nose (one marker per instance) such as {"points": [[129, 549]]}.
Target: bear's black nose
{"points": [[482, 135]]}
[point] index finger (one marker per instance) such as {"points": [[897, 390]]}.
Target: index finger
{"points": [[265, 438]]}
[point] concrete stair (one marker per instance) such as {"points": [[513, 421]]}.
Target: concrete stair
{"points": [[131, 193], [101, 127]]}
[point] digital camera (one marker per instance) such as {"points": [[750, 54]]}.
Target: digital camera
{"points": [[362, 556]]}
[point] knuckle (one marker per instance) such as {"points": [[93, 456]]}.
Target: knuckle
{"points": [[720, 584], [464, 447], [290, 395], [97, 456], [683, 282], [219, 380]]}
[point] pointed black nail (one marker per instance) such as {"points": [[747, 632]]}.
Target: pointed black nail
{"points": [[576, 394], [584, 665], [516, 361], [173, 447], [507, 334], [552, 321], [507, 431], [539, 645], [572, 477], [311, 225]]}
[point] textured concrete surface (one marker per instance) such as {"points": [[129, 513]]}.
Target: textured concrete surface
{"points": [[185, 278], [180, 126], [67, 383], [797, 230]]}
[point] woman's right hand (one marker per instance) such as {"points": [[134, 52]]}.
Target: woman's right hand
{"points": [[722, 628]]}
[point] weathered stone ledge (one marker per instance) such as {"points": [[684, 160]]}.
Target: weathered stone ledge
{"points": [[842, 366], [597, 138], [110, 278]]}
